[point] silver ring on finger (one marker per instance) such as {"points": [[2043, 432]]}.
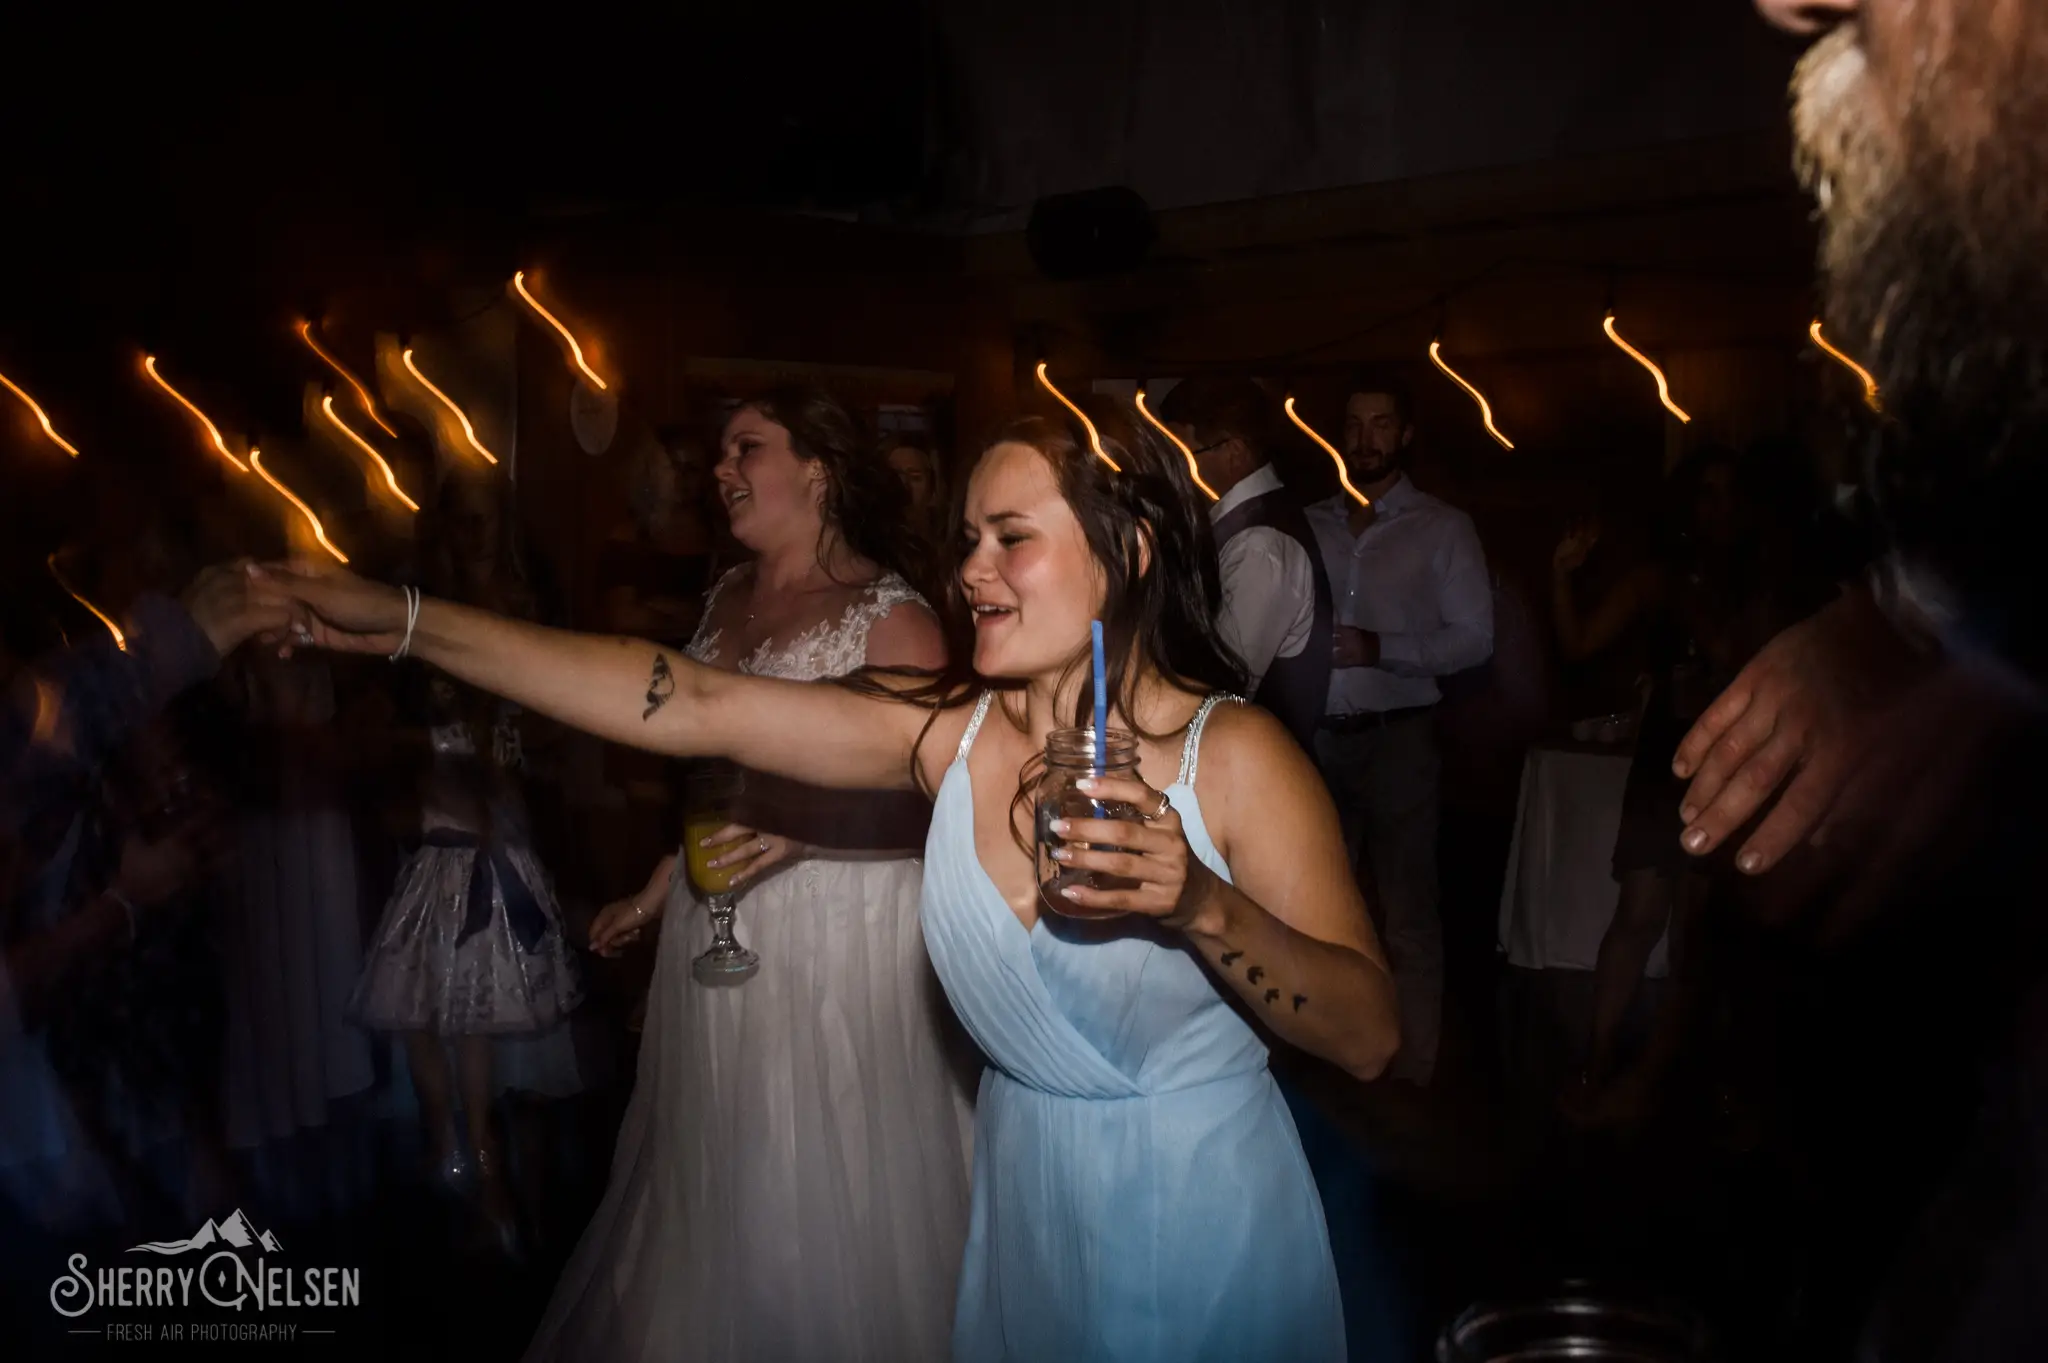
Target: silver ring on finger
{"points": [[1165, 805], [761, 846]]}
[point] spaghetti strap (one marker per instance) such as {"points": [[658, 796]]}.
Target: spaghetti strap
{"points": [[974, 725], [1191, 748]]}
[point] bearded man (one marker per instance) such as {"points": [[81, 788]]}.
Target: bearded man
{"points": [[1882, 761]]}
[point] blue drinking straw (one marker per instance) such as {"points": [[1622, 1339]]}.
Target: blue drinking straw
{"points": [[1101, 700]]}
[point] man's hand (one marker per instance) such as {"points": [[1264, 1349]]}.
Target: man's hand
{"points": [[1800, 715], [1354, 647], [230, 605]]}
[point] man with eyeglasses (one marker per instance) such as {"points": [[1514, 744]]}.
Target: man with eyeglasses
{"points": [[1414, 603]]}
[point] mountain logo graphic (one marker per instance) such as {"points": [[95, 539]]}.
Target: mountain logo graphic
{"points": [[234, 1229]]}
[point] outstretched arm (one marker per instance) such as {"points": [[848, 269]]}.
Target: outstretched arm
{"points": [[626, 690]]}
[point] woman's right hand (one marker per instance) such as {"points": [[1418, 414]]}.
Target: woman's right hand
{"points": [[334, 609], [621, 922]]}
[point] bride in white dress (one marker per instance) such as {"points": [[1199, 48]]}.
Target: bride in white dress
{"points": [[791, 1179]]}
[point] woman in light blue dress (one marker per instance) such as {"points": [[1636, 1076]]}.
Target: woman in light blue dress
{"points": [[1139, 1189]]}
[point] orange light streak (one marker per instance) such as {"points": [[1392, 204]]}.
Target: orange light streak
{"points": [[1485, 407], [468, 430], [1663, 388], [1094, 438], [212, 431], [327, 406], [362, 393], [1343, 476], [1870, 399], [319, 532], [1194, 471], [576, 351], [120, 639], [44, 420]]}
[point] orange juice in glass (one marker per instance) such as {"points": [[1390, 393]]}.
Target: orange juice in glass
{"points": [[710, 796], [708, 879]]}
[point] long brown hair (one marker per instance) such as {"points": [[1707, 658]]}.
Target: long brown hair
{"points": [[865, 502], [1156, 617]]}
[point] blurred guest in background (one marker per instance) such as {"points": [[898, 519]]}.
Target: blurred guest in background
{"points": [[1707, 601], [470, 949], [654, 570], [917, 464], [108, 1041], [1413, 603], [1276, 595], [290, 933]]}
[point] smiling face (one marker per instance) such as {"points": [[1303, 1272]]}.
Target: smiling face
{"points": [[1028, 575], [771, 494]]}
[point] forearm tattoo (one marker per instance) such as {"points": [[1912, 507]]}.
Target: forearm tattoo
{"points": [[661, 684], [1254, 974]]}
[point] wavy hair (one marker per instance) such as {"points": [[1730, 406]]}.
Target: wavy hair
{"points": [[865, 503], [1148, 531]]}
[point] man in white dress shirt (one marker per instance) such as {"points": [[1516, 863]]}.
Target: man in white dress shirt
{"points": [[1413, 603], [1276, 598]]}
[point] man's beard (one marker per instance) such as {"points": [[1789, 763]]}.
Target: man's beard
{"points": [[1934, 251], [1369, 465]]}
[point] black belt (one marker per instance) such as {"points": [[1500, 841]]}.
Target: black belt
{"points": [[1359, 721], [522, 910]]}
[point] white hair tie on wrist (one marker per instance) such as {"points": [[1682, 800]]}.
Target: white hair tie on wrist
{"points": [[412, 618]]}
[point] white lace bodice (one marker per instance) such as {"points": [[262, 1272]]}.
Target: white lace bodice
{"points": [[826, 649]]}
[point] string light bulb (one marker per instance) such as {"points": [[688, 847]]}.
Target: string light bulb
{"points": [[1343, 474], [120, 639], [575, 350], [468, 431], [42, 418], [1094, 438], [1485, 408], [212, 431], [1663, 388], [1194, 470], [1870, 398], [362, 393], [390, 478]]}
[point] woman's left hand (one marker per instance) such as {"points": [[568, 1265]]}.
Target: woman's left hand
{"points": [[1173, 885], [756, 854]]}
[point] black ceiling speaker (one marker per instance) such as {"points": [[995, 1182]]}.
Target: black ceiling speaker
{"points": [[1094, 232]]}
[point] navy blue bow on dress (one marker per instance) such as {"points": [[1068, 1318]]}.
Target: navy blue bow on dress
{"points": [[522, 909]]}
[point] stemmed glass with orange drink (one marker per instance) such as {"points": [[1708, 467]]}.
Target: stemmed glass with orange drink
{"points": [[710, 799]]}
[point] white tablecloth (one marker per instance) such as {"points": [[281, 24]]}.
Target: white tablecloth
{"points": [[1560, 891]]}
